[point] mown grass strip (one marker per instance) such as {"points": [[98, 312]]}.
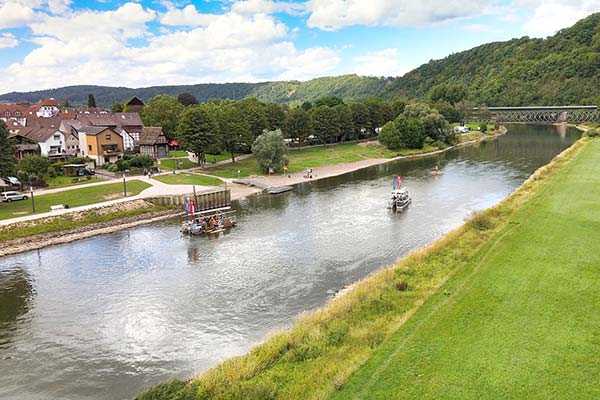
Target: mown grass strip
{"points": [[189, 179], [72, 198], [316, 358]]}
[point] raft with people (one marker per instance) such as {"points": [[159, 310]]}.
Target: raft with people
{"points": [[207, 222]]}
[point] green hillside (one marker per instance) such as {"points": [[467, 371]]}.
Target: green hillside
{"points": [[560, 70]]}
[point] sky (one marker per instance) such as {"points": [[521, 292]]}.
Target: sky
{"points": [[135, 43]]}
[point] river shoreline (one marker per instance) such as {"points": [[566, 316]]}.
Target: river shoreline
{"points": [[238, 192], [370, 310]]}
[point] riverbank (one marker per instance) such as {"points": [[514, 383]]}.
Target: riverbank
{"points": [[37, 234], [328, 171], [320, 356]]}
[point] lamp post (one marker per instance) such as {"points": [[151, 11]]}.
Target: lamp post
{"points": [[125, 184], [32, 199]]}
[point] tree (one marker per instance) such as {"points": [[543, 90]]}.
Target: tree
{"points": [[91, 101], [234, 131], [325, 123], [451, 93], [298, 125], [164, 111], [254, 112], [7, 156], [436, 126], [345, 122], [275, 115], [187, 99], [197, 129], [270, 151], [403, 132], [330, 101], [307, 105], [360, 118], [117, 107], [33, 168]]}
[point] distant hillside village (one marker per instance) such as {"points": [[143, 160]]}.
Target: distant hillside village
{"points": [[100, 135]]}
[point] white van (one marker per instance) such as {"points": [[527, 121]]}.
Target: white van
{"points": [[12, 196]]}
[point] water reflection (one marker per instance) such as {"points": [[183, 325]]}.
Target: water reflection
{"points": [[16, 296], [117, 313]]}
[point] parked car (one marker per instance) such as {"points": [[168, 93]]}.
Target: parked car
{"points": [[12, 196]]}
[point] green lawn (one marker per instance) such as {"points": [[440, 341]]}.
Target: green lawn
{"points": [[73, 198], [505, 307], [64, 181], [316, 157], [179, 163], [189, 179], [178, 153], [521, 321], [210, 158]]}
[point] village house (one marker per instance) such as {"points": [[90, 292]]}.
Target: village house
{"points": [[153, 142], [50, 139], [134, 105], [101, 144], [24, 146], [120, 122]]}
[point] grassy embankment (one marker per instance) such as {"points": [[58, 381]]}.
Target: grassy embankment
{"points": [[503, 307], [65, 181], [317, 156], [188, 179], [73, 198], [70, 222]]}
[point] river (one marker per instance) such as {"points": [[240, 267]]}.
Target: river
{"points": [[106, 317]]}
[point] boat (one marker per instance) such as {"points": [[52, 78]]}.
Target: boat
{"points": [[436, 171], [400, 198], [206, 222]]}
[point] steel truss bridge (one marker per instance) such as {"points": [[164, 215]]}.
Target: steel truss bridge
{"points": [[545, 114]]}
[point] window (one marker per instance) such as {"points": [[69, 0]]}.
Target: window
{"points": [[56, 137], [89, 147], [108, 136]]}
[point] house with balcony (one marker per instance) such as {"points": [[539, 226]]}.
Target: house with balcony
{"points": [[49, 139], [102, 144]]}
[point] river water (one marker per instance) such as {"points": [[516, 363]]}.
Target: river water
{"points": [[106, 317]]}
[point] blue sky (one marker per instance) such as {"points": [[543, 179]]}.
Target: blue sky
{"points": [[53, 43]]}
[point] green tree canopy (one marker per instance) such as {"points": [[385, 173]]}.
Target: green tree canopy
{"points": [[403, 132], [164, 111], [34, 167], [326, 124], [91, 101], [187, 99], [298, 124], [234, 131], [117, 107], [198, 130], [270, 151], [255, 113], [7, 156], [330, 101]]}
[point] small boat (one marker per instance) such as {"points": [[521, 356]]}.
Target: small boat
{"points": [[436, 171], [400, 199]]}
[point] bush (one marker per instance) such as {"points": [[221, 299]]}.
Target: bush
{"points": [[483, 128], [593, 133], [481, 221], [270, 151], [403, 132]]}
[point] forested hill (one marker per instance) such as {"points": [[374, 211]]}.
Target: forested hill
{"points": [[350, 87], [560, 70]]}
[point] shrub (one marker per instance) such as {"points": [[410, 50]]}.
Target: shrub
{"points": [[481, 221], [593, 133]]}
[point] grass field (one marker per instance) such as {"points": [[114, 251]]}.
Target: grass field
{"points": [[176, 163], [504, 307], [210, 158], [73, 198], [65, 181], [189, 179], [74, 221], [521, 321], [316, 157]]}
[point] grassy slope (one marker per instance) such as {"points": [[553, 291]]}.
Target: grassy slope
{"points": [[316, 157], [189, 179], [316, 358], [73, 197], [521, 321], [65, 181]]}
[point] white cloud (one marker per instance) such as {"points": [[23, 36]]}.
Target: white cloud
{"points": [[14, 14], [267, 7], [336, 14], [187, 16], [116, 48], [386, 62], [549, 17], [8, 40]]}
